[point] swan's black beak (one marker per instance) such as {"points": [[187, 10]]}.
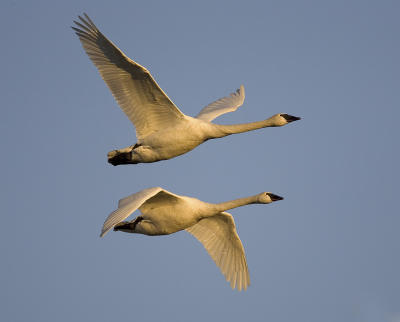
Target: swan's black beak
{"points": [[290, 118], [274, 197]]}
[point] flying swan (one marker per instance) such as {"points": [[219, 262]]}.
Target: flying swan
{"points": [[164, 213], [162, 130]]}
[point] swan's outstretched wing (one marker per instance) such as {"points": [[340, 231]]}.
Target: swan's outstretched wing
{"points": [[132, 85], [223, 105], [219, 237], [128, 205]]}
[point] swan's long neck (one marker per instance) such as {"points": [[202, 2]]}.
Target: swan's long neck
{"points": [[235, 203], [224, 130]]}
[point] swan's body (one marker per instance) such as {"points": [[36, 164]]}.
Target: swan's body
{"points": [[164, 213], [162, 130]]}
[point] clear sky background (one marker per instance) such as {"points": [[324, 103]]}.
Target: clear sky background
{"points": [[328, 252]]}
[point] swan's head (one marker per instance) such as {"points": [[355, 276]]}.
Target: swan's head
{"points": [[268, 197], [283, 119]]}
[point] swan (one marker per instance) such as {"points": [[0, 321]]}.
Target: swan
{"points": [[164, 213], [162, 130]]}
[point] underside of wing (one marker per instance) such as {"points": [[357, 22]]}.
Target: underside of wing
{"points": [[127, 206], [219, 237], [132, 85], [162, 198], [223, 105]]}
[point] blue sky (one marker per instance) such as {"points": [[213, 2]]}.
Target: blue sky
{"points": [[328, 252]]}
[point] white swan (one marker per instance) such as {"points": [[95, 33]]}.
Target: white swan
{"points": [[162, 130], [164, 213]]}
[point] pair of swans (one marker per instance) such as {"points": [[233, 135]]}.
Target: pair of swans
{"points": [[164, 132]]}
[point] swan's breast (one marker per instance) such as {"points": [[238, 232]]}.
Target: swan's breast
{"points": [[178, 139], [171, 217]]}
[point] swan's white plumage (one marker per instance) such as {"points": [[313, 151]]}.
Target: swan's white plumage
{"points": [[162, 130], [139, 200], [139, 197], [223, 105], [219, 237], [127, 206], [163, 213], [143, 101]]}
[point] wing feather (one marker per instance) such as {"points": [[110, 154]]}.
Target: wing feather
{"points": [[219, 237], [142, 100], [127, 206], [223, 105]]}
